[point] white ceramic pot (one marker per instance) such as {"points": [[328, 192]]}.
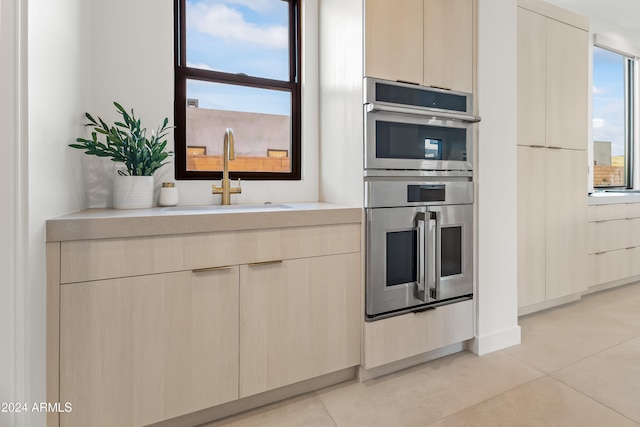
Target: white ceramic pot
{"points": [[132, 192]]}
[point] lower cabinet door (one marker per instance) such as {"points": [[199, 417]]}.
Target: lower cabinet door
{"points": [[299, 319], [566, 223], [138, 350]]}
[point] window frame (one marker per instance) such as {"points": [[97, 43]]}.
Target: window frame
{"points": [[182, 73], [629, 117]]}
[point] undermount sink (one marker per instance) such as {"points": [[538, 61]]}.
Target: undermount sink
{"points": [[226, 208]]}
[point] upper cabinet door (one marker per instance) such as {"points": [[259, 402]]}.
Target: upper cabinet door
{"points": [[531, 78], [393, 39], [448, 44], [567, 86]]}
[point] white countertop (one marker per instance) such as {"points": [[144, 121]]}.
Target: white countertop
{"points": [[104, 223]]}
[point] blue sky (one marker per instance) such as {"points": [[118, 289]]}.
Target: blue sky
{"points": [[239, 36], [608, 99]]}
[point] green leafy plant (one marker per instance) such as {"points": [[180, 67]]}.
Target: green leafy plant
{"points": [[127, 143]]}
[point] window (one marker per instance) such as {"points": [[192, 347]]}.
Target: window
{"points": [[613, 88], [237, 65]]}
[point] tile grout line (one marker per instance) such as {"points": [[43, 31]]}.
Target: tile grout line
{"points": [[489, 398], [317, 396], [594, 399]]}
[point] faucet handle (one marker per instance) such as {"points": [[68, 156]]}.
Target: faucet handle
{"points": [[236, 190]]}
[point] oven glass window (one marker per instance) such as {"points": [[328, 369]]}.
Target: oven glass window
{"points": [[451, 251], [422, 142], [402, 253]]}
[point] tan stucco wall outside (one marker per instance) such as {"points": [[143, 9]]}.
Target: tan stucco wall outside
{"points": [[254, 133]]}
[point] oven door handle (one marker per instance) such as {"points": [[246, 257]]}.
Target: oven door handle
{"points": [[437, 216], [424, 112], [421, 290]]}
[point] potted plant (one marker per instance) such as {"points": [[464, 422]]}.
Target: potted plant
{"points": [[127, 143]]}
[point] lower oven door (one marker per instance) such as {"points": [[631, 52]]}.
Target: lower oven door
{"points": [[395, 259], [417, 257]]}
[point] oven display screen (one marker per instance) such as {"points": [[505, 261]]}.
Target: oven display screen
{"points": [[432, 149]]}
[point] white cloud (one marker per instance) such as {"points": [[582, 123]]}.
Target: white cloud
{"points": [[200, 65], [598, 123], [220, 20], [598, 91], [257, 5]]}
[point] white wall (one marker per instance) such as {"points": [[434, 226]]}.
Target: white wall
{"points": [[341, 130], [142, 78], [497, 271], [11, 259], [59, 77]]}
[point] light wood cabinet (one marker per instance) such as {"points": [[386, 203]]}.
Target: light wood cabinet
{"points": [[298, 320], [566, 219], [567, 88], [139, 350], [552, 159], [449, 44], [531, 225], [531, 78], [553, 80], [137, 344], [613, 243], [428, 42], [400, 337], [552, 218], [394, 40]]}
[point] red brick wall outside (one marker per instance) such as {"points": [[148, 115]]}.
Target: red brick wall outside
{"points": [[608, 175]]}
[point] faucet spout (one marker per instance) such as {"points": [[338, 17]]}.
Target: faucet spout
{"points": [[228, 153]]}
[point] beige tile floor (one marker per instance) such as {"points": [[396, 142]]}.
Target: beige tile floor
{"points": [[578, 365]]}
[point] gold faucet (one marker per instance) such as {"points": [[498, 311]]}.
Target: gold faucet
{"points": [[228, 154]]}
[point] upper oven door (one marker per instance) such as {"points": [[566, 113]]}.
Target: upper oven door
{"points": [[417, 142]]}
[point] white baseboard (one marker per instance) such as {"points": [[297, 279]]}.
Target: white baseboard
{"points": [[484, 344]]}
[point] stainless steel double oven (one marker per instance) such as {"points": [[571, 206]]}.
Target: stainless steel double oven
{"points": [[418, 197]]}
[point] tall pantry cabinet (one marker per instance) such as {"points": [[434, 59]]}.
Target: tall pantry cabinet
{"points": [[553, 55]]}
